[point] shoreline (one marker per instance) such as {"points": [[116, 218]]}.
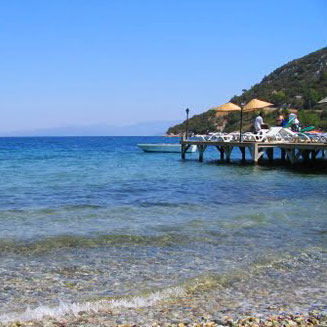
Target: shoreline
{"points": [[268, 295], [180, 312]]}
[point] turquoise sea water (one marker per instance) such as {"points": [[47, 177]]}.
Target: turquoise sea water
{"points": [[93, 217]]}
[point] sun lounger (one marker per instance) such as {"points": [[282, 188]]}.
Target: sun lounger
{"points": [[273, 134], [264, 135], [318, 137], [220, 137], [293, 137]]}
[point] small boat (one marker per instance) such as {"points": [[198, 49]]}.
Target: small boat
{"points": [[165, 147]]}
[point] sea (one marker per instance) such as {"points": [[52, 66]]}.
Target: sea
{"points": [[90, 218]]}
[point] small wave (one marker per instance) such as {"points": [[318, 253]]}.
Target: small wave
{"points": [[47, 211], [82, 206], [74, 241], [92, 307], [262, 264], [271, 268], [148, 204]]}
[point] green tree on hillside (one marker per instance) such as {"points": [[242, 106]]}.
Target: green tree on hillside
{"points": [[279, 98], [311, 98]]}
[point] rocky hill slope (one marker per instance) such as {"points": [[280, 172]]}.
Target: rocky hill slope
{"points": [[299, 84]]}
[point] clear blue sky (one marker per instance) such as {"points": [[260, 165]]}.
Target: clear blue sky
{"points": [[79, 62]]}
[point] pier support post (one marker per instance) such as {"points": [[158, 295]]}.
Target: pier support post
{"points": [[228, 151], [201, 149], [292, 155], [282, 154], [183, 151], [255, 153], [221, 151], [305, 155], [243, 153], [291, 152], [270, 154], [314, 154], [185, 147]]}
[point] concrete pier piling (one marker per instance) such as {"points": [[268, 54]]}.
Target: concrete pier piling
{"points": [[290, 152]]}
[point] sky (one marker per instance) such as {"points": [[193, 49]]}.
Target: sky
{"points": [[121, 62]]}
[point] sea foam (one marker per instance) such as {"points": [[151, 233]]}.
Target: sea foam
{"points": [[74, 309]]}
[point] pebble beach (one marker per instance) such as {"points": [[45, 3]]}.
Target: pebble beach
{"points": [[97, 233], [256, 298]]}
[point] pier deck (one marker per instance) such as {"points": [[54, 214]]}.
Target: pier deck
{"points": [[291, 152]]}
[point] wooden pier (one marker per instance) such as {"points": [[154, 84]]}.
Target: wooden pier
{"points": [[289, 152]]}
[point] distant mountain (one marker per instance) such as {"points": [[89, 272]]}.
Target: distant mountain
{"points": [[299, 84], [155, 128]]}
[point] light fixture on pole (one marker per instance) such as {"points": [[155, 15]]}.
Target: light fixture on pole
{"points": [[187, 112]]}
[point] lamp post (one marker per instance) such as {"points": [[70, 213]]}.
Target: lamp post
{"points": [[187, 112], [241, 122]]}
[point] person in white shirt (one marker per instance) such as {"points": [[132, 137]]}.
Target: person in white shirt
{"points": [[295, 124], [258, 122]]}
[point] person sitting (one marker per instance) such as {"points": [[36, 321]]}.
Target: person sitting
{"points": [[294, 122], [280, 119], [258, 122]]}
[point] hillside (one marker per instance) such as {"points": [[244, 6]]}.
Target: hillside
{"points": [[299, 84]]}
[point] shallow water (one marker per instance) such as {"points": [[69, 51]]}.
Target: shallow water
{"points": [[87, 218]]}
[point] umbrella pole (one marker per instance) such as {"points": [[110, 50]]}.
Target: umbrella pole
{"points": [[241, 124]]}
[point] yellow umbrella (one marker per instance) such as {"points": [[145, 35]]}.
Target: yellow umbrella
{"points": [[227, 107], [255, 104]]}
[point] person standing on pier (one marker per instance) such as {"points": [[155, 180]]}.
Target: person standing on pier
{"points": [[258, 122], [280, 120]]}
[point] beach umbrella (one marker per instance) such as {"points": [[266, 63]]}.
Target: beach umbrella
{"points": [[256, 104], [226, 107]]}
